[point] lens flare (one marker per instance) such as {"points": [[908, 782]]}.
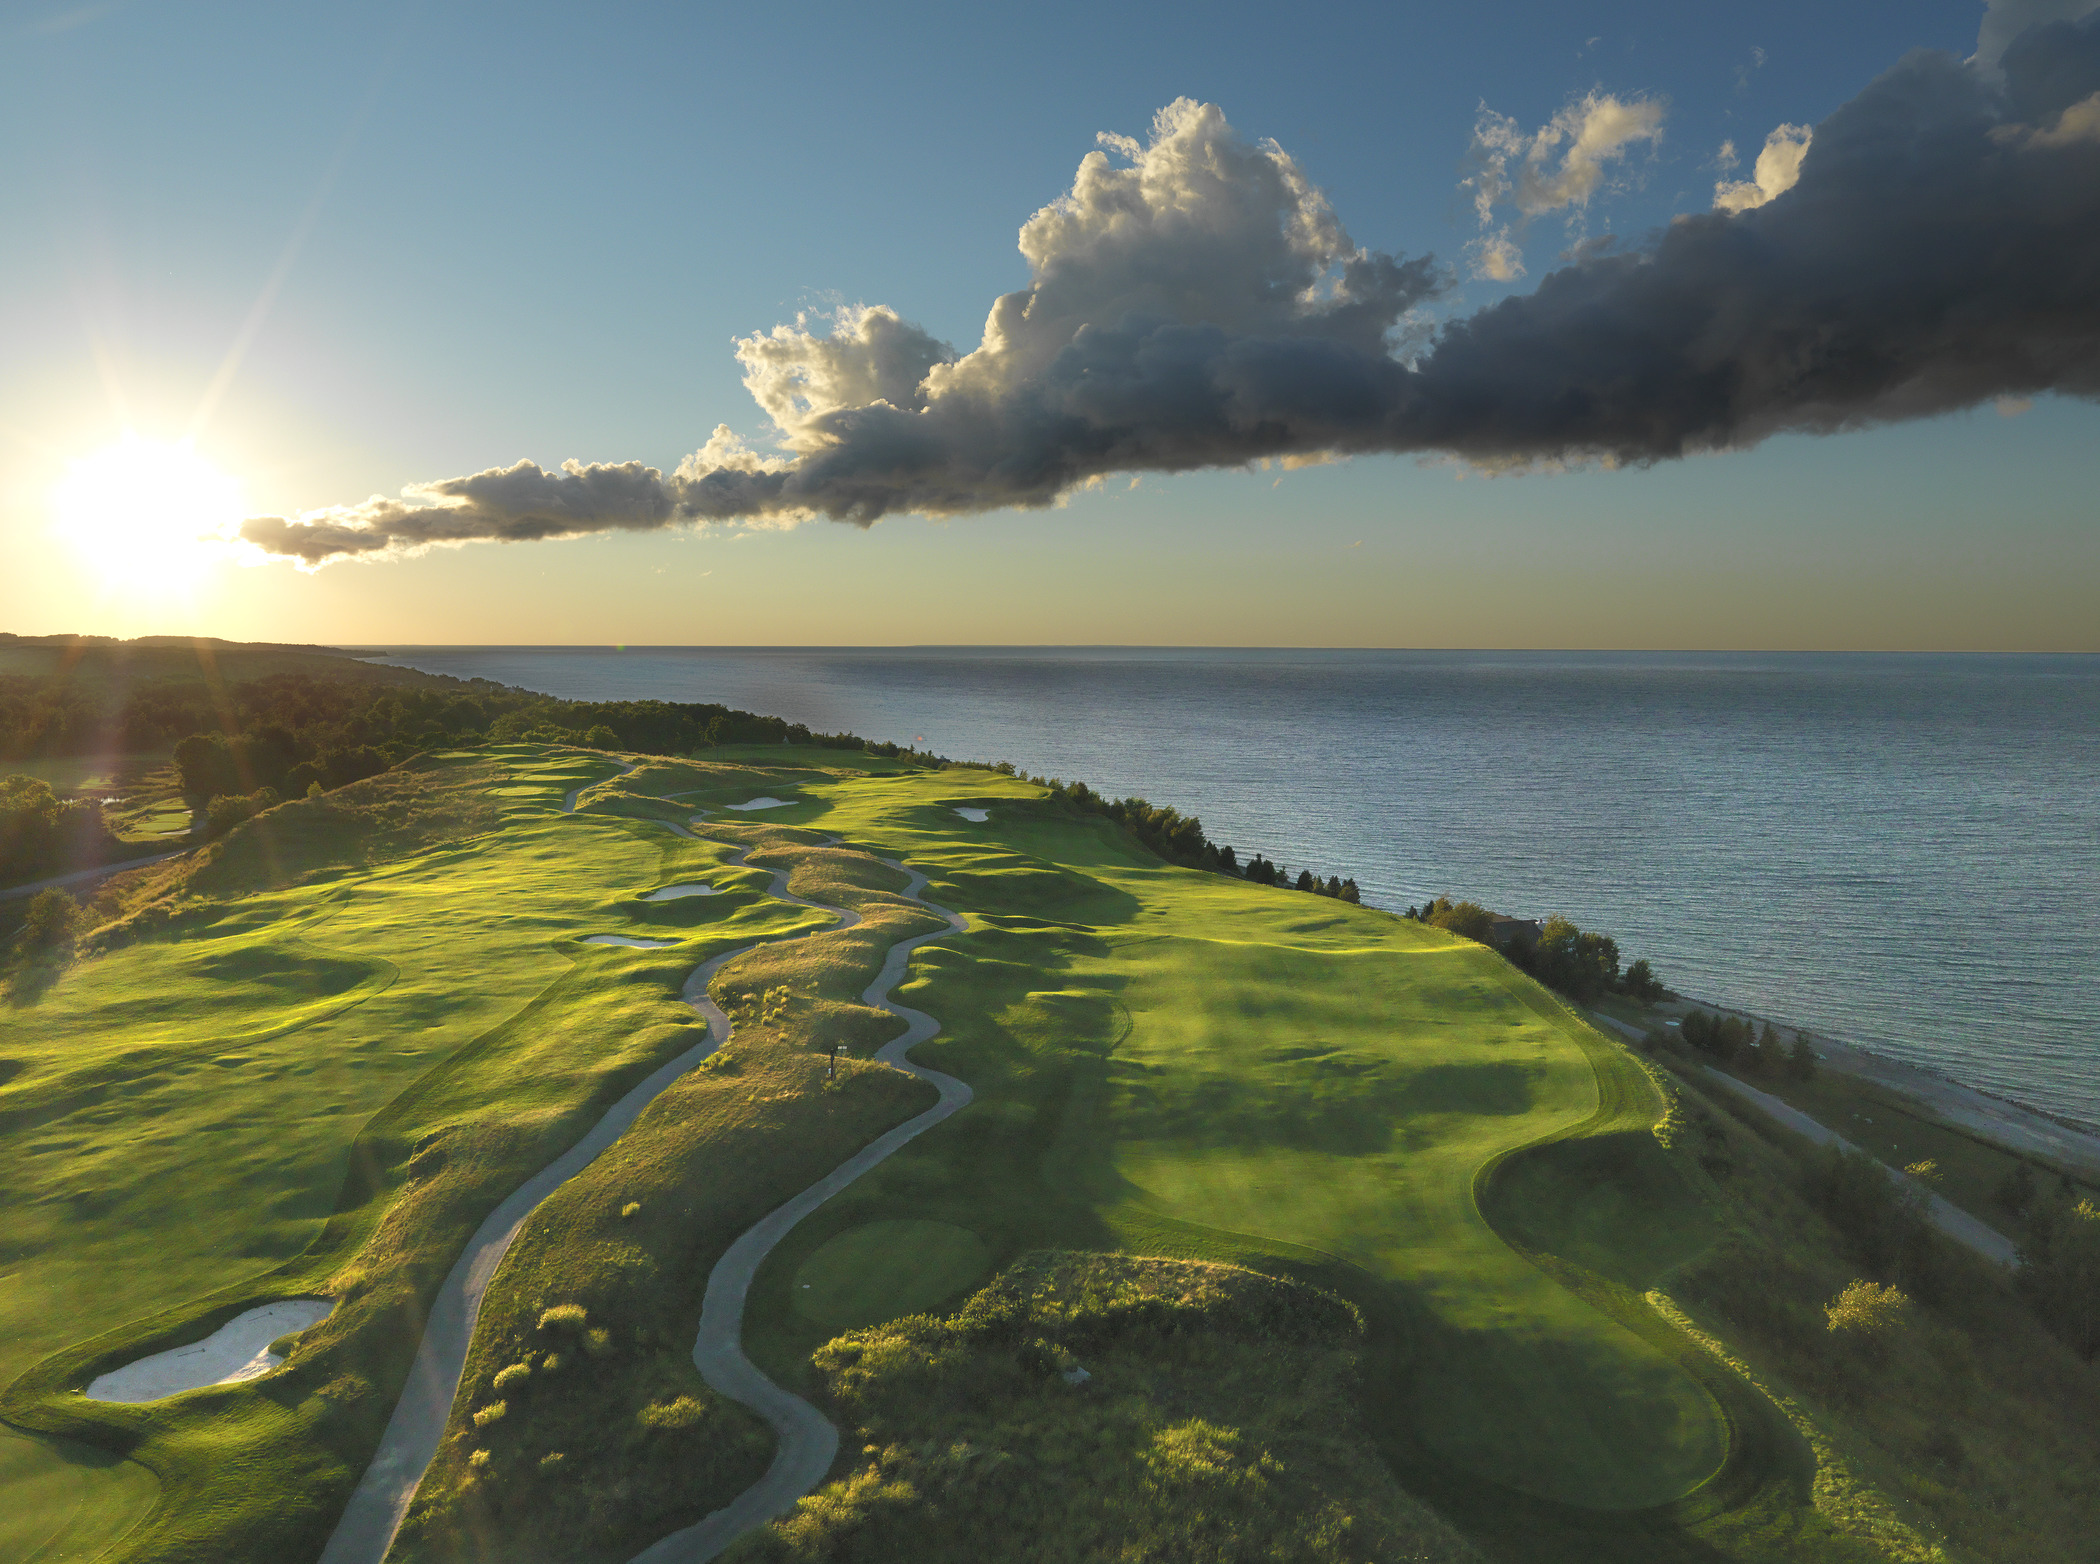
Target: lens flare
{"points": [[151, 515]]}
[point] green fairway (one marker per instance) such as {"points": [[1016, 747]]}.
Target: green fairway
{"points": [[1171, 1061], [886, 1269]]}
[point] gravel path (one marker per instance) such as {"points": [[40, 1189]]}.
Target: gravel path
{"points": [[84, 876], [808, 1442]]}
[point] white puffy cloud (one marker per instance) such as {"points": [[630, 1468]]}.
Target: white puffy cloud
{"points": [[1495, 256], [1565, 161], [1776, 171]]}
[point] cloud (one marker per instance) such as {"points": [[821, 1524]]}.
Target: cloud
{"points": [[1496, 257], [1564, 162], [1194, 302], [2005, 20], [1776, 171]]}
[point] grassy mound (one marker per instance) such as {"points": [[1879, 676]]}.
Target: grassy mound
{"points": [[1088, 1407]]}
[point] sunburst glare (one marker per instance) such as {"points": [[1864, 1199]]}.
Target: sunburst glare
{"points": [[150, 515]]}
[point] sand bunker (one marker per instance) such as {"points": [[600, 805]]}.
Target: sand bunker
{"points": [[634, 944], [768, 802], [979, 815], [674, 892], [238, 1350]]}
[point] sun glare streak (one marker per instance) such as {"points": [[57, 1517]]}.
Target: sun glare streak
{"points": [[150, 516]]}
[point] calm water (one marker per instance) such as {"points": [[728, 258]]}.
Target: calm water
{"points": [[1903, 851]]}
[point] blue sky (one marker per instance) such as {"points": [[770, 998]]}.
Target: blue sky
{"points": [[521, 232]]}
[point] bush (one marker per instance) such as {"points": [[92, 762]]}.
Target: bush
{"points": [[54, 921], [230, 809], [1868, 1311], [1466, 918], [564, 1317]]}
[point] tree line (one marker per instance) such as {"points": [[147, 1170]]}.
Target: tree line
{"points": [[1180, 839], [1569, 960], [41, 833], [1754, 1051]]}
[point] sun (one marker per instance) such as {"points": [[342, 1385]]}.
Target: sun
{"points": [[150, 515]]}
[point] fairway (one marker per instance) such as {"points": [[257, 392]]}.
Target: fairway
{"points": [[886, 1269], [1176, 1062]]}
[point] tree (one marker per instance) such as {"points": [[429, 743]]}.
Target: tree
{"points": [[601, 737], [1306, 882], [1640, 982], [1466, 918], [1801, 1059], [2060, 1271], [53, 922], [1770, 1058], [207, 767], [1582, 966]]}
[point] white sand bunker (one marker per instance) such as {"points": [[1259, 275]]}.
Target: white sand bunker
{"points": [[632, 944], [674, 892], [767, 802], [238, 1350], [979, 815]]}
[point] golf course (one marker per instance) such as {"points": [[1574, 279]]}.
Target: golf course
{"points": [[626, 1126]]}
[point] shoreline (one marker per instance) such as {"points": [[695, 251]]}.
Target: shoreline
{"points": [[2005, 1122]]}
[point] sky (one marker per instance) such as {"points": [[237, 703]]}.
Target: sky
{"points": [[267, 261]]}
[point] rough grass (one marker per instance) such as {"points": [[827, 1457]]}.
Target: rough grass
{"points": [[1218, 1419]]}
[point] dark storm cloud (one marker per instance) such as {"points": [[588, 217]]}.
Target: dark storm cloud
{"points": [[1195, 303]]}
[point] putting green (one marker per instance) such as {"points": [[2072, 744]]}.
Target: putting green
{"points": [[887, 1269]]}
